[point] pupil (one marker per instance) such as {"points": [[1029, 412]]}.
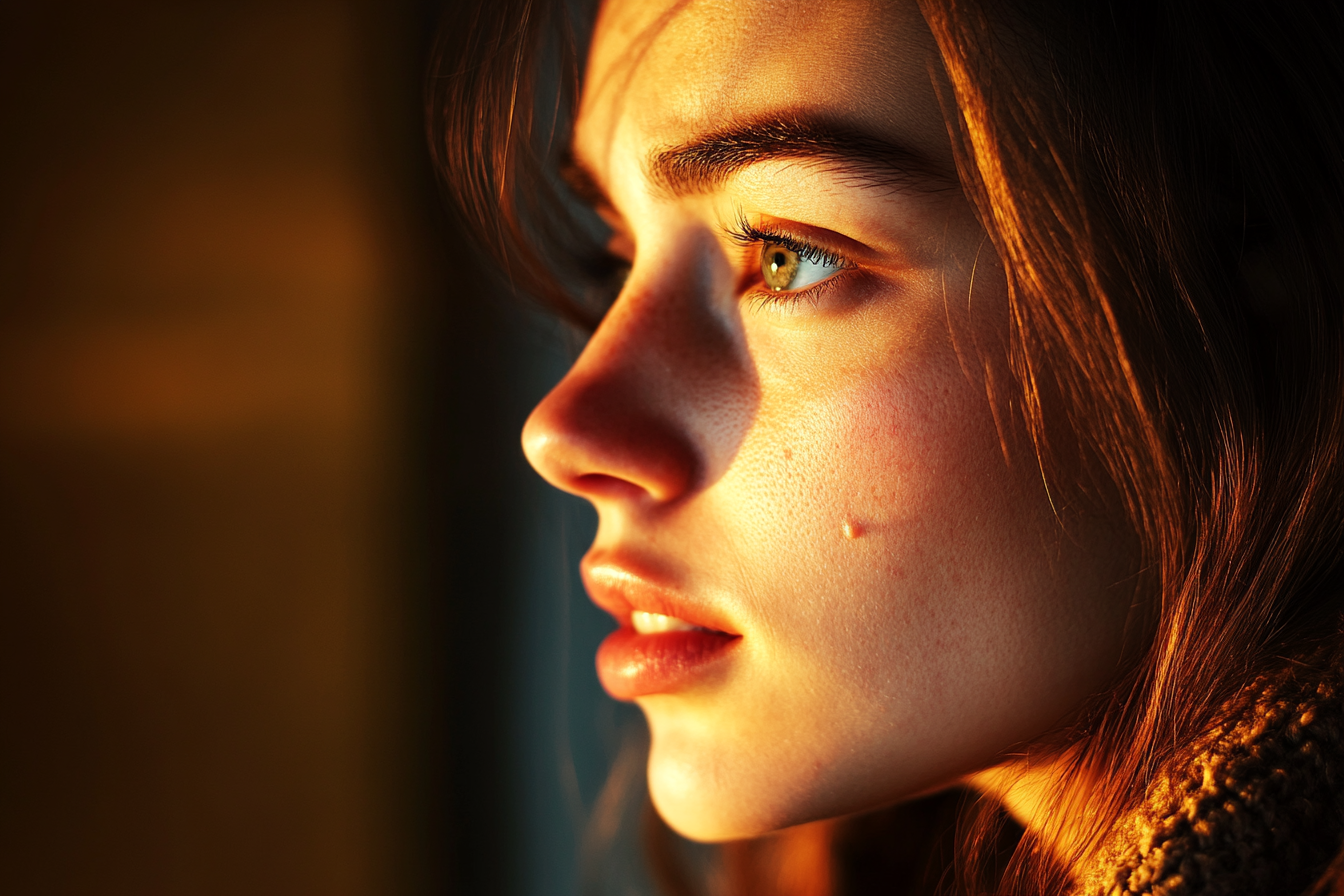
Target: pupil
{"points": [[779, 261]]}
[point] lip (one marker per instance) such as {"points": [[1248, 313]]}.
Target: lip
{"points": [[630, 664]]}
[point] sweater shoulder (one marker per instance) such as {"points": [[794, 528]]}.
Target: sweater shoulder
{"points": [[1254, 808]]}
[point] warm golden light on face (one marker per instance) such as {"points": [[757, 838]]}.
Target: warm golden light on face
{"points": [[787, 444]]}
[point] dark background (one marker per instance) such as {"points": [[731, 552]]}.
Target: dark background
{"points": [[282, 609]]}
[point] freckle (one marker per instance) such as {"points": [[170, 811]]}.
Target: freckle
{"points": [[852, 529], [788, 454]]}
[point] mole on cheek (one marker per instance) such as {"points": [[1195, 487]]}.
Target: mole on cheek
{"points": [[852, 529]]}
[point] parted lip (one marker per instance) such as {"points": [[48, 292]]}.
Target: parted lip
{"points": [[620, 587]]}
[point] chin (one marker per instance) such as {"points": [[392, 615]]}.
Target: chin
{"points": [[703, 810], [711, 792]]}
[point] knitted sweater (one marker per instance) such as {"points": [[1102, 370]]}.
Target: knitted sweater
{"points": [[1254, 808]]}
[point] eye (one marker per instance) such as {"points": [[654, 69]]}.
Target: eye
{"points": [[784, 269]]}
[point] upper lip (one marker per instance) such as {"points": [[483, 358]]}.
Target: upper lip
{"points": [[620, 590]]}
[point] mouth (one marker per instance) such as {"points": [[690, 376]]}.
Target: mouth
{"points": [[664, 644], [646, 623]]}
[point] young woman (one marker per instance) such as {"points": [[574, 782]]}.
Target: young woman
{"points": [[967, 410]]}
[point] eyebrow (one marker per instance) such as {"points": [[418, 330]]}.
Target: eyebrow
{"points": [[704, 163]]}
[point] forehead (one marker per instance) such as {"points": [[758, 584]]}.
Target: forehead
{"points": [[661, 72]]}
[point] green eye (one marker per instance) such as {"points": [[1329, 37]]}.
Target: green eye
{"points": [[779, 266], [788, 269]]}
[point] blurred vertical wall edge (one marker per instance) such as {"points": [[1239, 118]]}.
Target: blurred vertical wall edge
{"points": [[250, 455]]}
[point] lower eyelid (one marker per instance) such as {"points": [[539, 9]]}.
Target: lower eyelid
{"points": [[761, 298]]}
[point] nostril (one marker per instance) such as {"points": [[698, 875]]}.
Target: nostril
{"points": [[605, 441], [602, 486], [609, 456], [614, 431]]}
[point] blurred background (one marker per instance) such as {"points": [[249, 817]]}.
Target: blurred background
{"points": [[282, 609]]}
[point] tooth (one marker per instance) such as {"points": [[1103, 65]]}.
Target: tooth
{"points": [[653, 623]]}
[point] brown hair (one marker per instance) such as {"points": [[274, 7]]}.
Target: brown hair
{"points": [[1164, 184], [1165, 188]]}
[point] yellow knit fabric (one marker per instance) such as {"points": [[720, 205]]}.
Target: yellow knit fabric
{"points": [[1255, 807]]}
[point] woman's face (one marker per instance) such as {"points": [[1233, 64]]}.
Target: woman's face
{"points": [[839, 582]]}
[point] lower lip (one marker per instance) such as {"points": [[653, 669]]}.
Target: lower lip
{"points": [[632, 665]]}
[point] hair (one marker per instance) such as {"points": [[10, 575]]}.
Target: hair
{"points": [[1164, 185]]}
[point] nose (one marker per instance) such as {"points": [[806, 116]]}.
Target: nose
{"points": [[620, 426]]}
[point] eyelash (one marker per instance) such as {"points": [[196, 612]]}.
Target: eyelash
{"points": [[746, 234]]}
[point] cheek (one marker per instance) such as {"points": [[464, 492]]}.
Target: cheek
{"points": [[886, 492], [955, 620], [930, 612]]}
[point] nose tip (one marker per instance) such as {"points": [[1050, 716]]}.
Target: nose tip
{"points": [[606, 441]]}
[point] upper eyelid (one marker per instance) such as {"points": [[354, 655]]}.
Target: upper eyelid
{"points": [[740, 231], [745, 233]]}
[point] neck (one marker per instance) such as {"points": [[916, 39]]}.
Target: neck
{"points": [[1047, 796]]}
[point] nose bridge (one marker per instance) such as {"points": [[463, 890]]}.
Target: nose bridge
{"points": [[653, 340], [671, 329], [641, 412]]}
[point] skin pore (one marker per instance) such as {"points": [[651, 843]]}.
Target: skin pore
{"points": [[783, 422]]}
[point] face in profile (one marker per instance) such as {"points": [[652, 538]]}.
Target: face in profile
{"points": [[839, 577]]}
